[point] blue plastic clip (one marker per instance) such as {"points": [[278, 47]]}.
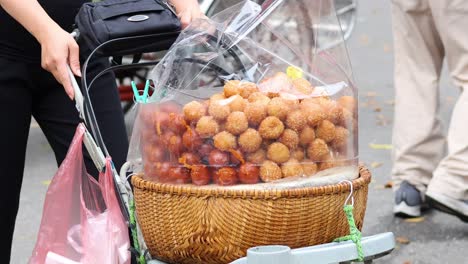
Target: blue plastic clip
{"points": [[141, 98]]}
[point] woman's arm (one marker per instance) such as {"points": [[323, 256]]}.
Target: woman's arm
{"points": [[187, 10], [58, 46]]}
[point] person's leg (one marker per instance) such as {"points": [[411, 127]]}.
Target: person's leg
{"points": [[58, 117], [15, 113], [418, 139], [451, 176]]}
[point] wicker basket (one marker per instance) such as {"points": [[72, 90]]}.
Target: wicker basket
{"points": [[184, 224]]}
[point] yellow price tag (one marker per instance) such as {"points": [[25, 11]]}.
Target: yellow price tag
{"points": [[294, 72]]}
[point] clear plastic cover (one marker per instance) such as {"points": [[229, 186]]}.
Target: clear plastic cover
{"points": [[260, 96]]}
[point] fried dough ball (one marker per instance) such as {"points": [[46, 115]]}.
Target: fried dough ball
{"points": [[347, 119], [247, 88], [250, 141], [348, 103], [217, 97], [218, 158], [218, 110], [296, 120], [177, 123], [225, 141], [290, 138], [249, 173], [161, 122], [191, 139], [326, 130], [306, 136], [294, 104], [188, 158], [226, 176], [231, 88], [257, 157], [328, 163], [200, 175], [255, 113], [318, 150], [179, 175], [341, 138], [271, 128], [154, 153], [270, 171], [314, 113], [335, 115], [236, 123], [278, 152], [278, 107], [175, 145], [309, 167], [303, 86], [298, 154], [292, 168], [162, 171], [207, 127], [193, 111], [237, 104], [259, 97], [273, 95]]}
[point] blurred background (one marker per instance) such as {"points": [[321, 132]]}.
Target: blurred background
{"points": [[435, 238]]}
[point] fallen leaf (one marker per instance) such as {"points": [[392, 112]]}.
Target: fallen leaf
{"points": [[46, 183], [380, 146], [376, 164], [403, 240], [415, 220], [378, 109], [388, 185], [407, 262]]}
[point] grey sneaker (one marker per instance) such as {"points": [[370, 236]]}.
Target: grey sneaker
{"points": [[408, 201], [458, 208]]}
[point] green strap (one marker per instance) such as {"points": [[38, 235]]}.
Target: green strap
{"points": [[136, 244], [354, 233]]}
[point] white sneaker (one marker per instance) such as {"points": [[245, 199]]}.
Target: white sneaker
{"points": [[458, 208]]}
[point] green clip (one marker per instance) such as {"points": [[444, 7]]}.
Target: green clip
{"points": [[141, 98]]}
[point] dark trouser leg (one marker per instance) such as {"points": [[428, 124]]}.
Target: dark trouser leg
{"points": [[15, 113]]}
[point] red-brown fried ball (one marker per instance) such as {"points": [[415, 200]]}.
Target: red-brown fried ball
{"points": [[226, 176], [200, 175], [218, 158], [249, 173], [191, 139], [179, 175]]}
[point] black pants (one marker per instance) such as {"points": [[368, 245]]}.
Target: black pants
{"points": [[27, 90]]}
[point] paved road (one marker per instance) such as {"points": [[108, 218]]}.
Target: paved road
{"points": [[437, 239]]}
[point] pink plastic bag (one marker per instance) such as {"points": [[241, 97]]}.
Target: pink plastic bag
{"points": [[81, 220]]}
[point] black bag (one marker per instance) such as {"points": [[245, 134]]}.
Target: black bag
{"points": [[127, 26]]}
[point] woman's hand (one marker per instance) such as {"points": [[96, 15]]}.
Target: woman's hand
{"points": [[187, 10], [59, 48]]}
